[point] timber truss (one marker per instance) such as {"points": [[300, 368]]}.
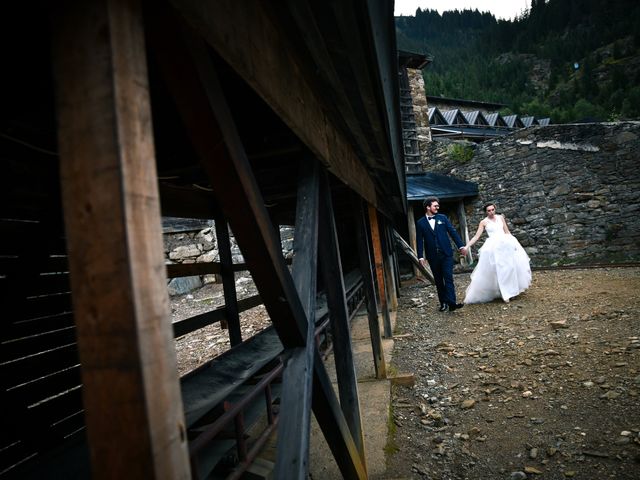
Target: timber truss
{"points": [[195, 110]]}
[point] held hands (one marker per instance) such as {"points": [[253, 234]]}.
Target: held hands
{"points": [[463, 250]]}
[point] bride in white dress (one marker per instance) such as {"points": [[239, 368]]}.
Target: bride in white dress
{"points": [[503, 269]]}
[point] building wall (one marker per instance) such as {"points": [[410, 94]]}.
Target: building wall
{"points": [[570, 193], [420, 106]]}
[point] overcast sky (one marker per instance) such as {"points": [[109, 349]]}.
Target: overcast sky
{"points": [[505, 9]]}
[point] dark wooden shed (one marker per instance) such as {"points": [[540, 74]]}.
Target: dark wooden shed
{"points": [[254, 114]]}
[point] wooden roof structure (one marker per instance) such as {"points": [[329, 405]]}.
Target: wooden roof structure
{"points": [[253, 114]]}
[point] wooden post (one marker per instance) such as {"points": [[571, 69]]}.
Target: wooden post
{"points": [[464, 229], [389, 267], [133, 407], [394, 260], [228, 280], [297, 380], [412, 233], [336, 301], [377, 255], [366, 269], [193, 83]]}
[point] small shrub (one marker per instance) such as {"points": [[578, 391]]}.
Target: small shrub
{"points": [[460, 153]]}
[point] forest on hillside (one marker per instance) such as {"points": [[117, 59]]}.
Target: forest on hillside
{"points": [[570, 60]]}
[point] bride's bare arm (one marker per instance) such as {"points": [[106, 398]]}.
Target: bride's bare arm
{"points": [[476, 237]]}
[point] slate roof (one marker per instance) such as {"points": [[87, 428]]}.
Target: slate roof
{"points": [[513, 121], [475, 118], [423, 185], [436, 117], [495, 119], [454, 117], [477, 125]]}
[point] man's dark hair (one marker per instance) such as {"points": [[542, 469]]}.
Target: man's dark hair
{"points": [[428, 201]]}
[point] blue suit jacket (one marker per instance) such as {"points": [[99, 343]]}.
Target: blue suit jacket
{"points": [[432, 240]]}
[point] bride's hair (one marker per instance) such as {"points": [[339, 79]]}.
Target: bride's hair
{"points": [[487, 205]]}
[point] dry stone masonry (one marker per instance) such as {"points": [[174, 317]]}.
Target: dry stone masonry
{"points": [[571, 193], [200, 246]]}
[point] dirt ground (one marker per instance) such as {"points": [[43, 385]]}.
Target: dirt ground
{"points": [[545, 386], [196, 348]]}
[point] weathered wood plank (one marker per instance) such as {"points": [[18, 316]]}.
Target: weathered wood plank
{"points": [[45, 387], [294, 427], [188, 325], [27, 369], [188, 269], [258, 51], [364, 258], [378, 266], [132, 400], [387, 249], [411, 222], [205, 388], [17, 264], [228, 280], [36, 307], [204, 112], [35, 284], [36, 344], [340, 328], [411, 253], [464, 229], [175, 270]]}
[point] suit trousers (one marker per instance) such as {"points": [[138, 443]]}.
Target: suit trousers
{"points": [[442, 269]]}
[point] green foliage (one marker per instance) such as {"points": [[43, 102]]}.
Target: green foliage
{"points": [[460, 153], [477, 57]]}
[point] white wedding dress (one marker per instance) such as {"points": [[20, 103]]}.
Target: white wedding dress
{"points": [[503, 269]]}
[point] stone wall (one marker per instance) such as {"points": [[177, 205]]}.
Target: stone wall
{"points": [[420, 106], [570, 193], [201, 246]]}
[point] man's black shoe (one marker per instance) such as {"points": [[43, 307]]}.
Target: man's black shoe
{"points": [[455, 306], [443, 307]]}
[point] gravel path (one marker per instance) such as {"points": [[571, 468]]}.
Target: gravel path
{"points": [[545, 386]]}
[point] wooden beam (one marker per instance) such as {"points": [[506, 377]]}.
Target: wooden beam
{"points": [[259, 52], [133, 407], [378, 266], [232, 320], [411, 223], [339, 314], [387, 248], [297, 380], [464, 228], [191, 324], [411, 253], [193, 82], [209, 268], [364, 257]]}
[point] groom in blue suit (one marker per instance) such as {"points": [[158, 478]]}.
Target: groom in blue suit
{"points": [[433, 232]]}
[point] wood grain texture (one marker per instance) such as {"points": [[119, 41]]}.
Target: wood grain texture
{"points": [[242, 32], [111, 206]]}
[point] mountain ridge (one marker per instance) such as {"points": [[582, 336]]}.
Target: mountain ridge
{"points": [[565, 59]]}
